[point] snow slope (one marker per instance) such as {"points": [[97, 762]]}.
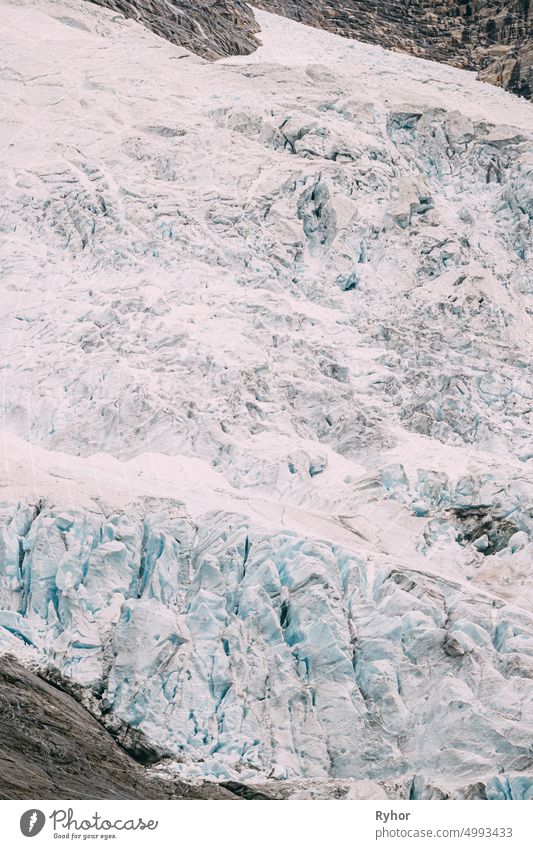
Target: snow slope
{"points": [[266, 398]]}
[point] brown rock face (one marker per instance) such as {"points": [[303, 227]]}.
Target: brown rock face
{"points": [[210, 28], [493, 38], [52, 748], [513, 70]]}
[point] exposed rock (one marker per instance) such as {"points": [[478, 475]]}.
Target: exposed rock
{"points": [[491, 38], [512, 70], [211, 28], [51, 747]]}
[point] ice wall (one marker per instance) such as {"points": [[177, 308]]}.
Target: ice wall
{"points": [[245, 653]]}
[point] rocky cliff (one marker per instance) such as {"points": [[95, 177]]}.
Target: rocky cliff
{"points": [[492, 38], [51, 747], [211, 28]]}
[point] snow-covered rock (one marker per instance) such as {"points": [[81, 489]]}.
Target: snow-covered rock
{"points": [[301, 281]]}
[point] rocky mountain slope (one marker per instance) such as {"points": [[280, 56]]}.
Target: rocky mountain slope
{"points": [[266, 467], [52, 748], [492, 38], [211, 28]]}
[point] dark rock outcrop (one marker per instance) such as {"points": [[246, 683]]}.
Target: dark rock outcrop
{"points": [[52, 748], [210, 28], [491, 38], [512, 70]]}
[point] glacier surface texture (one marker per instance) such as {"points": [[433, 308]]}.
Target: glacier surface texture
{"points": [[266, 400]]}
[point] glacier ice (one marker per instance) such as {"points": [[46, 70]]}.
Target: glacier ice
{"points": [[266, 402], [267, 653]]}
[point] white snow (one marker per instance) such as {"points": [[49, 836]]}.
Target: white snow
{"points": [[266, 396]]}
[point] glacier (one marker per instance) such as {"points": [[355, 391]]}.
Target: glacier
{"points": [[266, 402]]}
